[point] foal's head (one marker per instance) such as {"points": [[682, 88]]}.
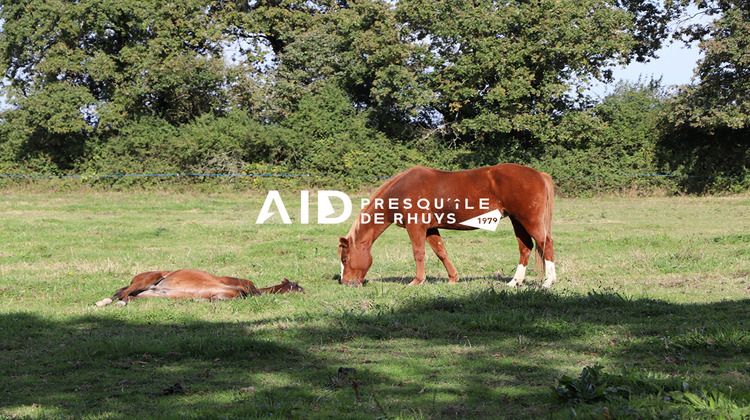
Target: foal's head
{"points": [[289, 286], [355, 263]]}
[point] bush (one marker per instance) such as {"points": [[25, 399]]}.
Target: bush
{"points": [[601, 149], [325, 138]]}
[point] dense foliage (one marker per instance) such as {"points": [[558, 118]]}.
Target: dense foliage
{"points": [[368, 87], [708, 129]]}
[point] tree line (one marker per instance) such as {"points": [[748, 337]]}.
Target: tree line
{"points": [[369, 87]]}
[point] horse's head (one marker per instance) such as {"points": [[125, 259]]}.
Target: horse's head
{"points": [[290, 286], [354, 263]]}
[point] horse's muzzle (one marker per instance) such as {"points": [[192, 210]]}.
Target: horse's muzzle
{"points": [[352, 283]]}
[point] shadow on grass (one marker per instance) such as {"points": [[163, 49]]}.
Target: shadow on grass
{"points": [[430, 279], [549, 316], [96, 364], [521, 340], [488, 342]]}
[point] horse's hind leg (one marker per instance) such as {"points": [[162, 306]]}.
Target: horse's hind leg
{"points": [[107, 301], [525, 245], [545, 255], [436, 243], [139, 283]]}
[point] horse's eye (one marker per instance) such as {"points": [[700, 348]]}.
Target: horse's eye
{"points": [[345, 260]]}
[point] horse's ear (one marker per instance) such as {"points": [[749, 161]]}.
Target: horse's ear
{"points": [[344, 242], [284, 280]]}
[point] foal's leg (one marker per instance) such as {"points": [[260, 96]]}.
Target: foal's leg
{"points": [[525, 245], [224, 293], [139, 283], [417, 234], [436, 243]]}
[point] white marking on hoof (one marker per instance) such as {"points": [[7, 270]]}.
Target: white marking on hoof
{"points": [[121, 303], [519, 277], [549, 274], [104, 302]]}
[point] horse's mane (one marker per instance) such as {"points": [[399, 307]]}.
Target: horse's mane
{"points": [[352, 235]]}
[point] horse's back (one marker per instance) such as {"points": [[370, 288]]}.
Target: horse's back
{"points": [[507, 179], [518, 179], [525, 192], [516, 190]]}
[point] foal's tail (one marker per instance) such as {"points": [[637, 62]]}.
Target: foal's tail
{"points": [[549, 187]]}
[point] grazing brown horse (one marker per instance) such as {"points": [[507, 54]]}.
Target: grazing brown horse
{"points": [[192, 284], [423, 200]]}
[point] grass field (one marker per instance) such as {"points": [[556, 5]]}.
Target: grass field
{"points": [[653, 296]]}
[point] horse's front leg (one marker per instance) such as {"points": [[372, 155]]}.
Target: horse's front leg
{"points": [[436, 243], [417, 234]]}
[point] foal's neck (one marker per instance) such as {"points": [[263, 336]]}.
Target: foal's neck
{"points": [[272, 289]]}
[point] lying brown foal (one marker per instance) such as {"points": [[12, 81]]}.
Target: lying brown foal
{"points": [[192, 284]]}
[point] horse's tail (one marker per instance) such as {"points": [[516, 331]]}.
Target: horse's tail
{"points": [[549, 187]]}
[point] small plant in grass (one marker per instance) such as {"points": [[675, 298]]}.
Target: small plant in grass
{"points": [[728, 339], [713, 404], [632, 394], [593, 385]]}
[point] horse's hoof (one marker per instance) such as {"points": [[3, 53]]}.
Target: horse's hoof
{"points": [[415, 282], [513, 283], [547, 285], [104, 302], [121, 303]]}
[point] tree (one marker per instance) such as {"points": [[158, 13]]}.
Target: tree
{"points": [[482, 75], [477, 69], [721, 98], [355, 45], [85, 69], [708, 129], [111, 60], [509, 68]]}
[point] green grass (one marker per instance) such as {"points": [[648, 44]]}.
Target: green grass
{"points": [[648, 288]]}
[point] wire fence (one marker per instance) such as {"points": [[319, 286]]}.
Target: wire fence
{"points": [[162, 175], [94, 176], [649, 175]]}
